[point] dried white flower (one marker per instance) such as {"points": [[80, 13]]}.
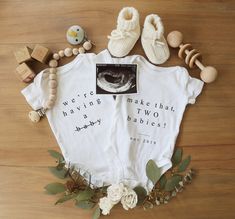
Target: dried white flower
{"points": [[173, 194], [181, 183], [157, 202], [165, 201], [129, 199], [105, 205], [115, 192]]}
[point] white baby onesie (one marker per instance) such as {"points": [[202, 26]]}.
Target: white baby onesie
{"points": [[80, 119], [147, 123]]}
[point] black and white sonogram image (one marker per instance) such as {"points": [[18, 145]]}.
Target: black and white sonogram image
{"points": [[116, 79]]}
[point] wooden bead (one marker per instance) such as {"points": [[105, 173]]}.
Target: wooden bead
{"points": [[61, 53], [52, 97], [53, 91], [87, 45], [34, 116], [81, 50], [53, 70], [49, 104], [175, 38], [52, 84], [52, 76], [56, 56], [209, 74], [68, 52], [53, 63], [75, 51]]}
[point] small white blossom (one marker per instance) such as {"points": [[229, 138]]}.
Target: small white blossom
{"points": [[115, 192], [105, 205], [129, 199]]}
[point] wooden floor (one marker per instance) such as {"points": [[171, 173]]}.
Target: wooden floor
{"points": [[207, 131]]}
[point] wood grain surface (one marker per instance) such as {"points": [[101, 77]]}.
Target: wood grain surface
{"points": [[207, 131]]}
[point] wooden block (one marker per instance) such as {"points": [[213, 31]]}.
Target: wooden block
{"points": [[40, 53], [23, 54], [25, 73]]}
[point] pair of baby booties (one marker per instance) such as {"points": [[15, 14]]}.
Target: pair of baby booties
{"points": [[127, 32]]}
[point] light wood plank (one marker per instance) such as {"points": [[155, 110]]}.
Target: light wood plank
{"points": [[207, 130]]}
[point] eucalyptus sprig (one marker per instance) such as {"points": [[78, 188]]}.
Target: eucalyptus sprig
{"points": [[75, 187], [170, 183], [87, 196]]}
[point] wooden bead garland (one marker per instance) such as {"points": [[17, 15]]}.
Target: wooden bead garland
{"points": [[35, 116], [192, 56]]}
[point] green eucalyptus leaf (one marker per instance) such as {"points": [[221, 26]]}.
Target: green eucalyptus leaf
{"points": [[66, 198], [54, 188], [184, 164], [162, 181], [172, 182], [152, 171], [177, 156], [141, 194], [85, 204], [96, 213], [84, 195], [56, 155], [61, 174]]}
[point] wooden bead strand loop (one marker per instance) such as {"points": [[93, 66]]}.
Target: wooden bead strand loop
{"points": [[53, 83], [192, 56]]}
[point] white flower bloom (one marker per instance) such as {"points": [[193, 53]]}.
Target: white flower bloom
{"points": [[105, 205], [115, 192], [129, 199]]}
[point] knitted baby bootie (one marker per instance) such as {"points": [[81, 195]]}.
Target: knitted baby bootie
{"points": [[153, 41], [123, 39]]}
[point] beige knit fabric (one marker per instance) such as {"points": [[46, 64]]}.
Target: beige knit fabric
{"points": [[124, 37], [153, 41]]}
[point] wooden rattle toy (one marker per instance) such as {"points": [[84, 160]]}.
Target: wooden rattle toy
{"points": [[193, 57]]}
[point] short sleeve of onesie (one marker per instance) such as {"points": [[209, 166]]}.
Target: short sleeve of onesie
{"points": [[193, 86], [33, 93], [37, 92]]}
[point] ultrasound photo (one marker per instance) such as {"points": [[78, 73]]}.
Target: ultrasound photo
{"points": [[116, 79]]}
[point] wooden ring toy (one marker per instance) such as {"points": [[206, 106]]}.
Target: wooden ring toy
{"points": [[193, 57]]}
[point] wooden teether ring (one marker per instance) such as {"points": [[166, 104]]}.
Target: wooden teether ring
{"points": [[189, 55], [193, 59], [182, 50]]}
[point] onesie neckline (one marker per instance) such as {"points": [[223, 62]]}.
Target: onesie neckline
{"points": [[135, 58]]}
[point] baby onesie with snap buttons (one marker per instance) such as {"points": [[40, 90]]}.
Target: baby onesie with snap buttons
{"points": [[147, 123], [80, 119]]}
